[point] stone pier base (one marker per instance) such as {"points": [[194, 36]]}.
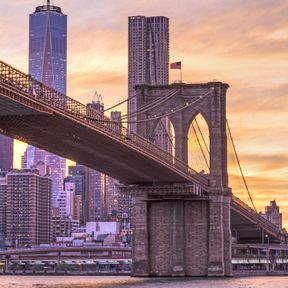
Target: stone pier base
{"points": [[181, 235]]}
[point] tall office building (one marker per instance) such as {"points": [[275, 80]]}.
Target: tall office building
{"points": [[148, 55], [48, 46], [148, 63], [6, 153], [77, 175], [87, 188], [28, 209], [47, 64], [100, 198], [32, 156]]}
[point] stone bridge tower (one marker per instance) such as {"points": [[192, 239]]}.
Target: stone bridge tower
{"points": [[178, 231]]}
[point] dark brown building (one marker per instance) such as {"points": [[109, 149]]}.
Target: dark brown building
{"points": [[61, 225]]}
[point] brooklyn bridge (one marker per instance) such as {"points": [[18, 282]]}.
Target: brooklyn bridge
{"points": [[184, 220]]}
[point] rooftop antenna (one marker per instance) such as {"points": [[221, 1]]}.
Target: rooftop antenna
{"points": [[49, 3]]}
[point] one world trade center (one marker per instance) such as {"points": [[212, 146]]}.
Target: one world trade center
{"points": [[48, 64]]}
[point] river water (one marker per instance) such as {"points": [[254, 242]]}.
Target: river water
{"points": [[127, 282]]}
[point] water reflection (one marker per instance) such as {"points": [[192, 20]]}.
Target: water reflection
{"points": [[127, 282]]}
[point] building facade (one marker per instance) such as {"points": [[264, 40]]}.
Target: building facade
{"points": [[48, 46], [28, 210], [273, 214], [66, 200], [3, 208], [6, 153], [77, 176], [148, 56], [48, 64], [61, 225]]}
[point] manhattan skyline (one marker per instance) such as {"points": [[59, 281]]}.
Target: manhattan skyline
{"points": [[248, 54]]}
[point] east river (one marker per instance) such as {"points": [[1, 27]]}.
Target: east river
{"points": [[127, 282]]}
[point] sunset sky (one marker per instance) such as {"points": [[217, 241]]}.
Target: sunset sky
{"points": [[241, 42]]}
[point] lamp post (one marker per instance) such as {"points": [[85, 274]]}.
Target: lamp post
{"points": [[267, 253], [268, 240]]}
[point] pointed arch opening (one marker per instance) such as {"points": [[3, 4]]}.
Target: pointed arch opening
{"points": [[199, 145], [164, 135]]}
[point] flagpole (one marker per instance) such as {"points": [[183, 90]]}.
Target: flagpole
{"points": [[178, 66]]}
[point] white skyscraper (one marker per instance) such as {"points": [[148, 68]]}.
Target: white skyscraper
{"points": [[148, 63], [65, 200]]}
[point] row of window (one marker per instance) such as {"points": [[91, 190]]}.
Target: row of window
{"points": [[58, 45]]}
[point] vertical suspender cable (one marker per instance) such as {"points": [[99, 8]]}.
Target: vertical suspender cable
{"points": [[203, 139], [200, 146], [240, 168]]}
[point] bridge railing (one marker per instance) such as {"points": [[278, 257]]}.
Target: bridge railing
{"points": [[40, 92]]}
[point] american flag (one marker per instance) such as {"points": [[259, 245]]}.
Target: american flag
{"points": [[175, 65]]}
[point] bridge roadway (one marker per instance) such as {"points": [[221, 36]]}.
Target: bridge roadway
{"points": [[80, 133], [247, 226]]}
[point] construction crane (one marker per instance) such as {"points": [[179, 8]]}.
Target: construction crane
{"points": [[97, 102]]}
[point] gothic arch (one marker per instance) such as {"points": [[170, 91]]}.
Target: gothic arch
{"points": [[210, 103], [194, 115], [198, 136]]}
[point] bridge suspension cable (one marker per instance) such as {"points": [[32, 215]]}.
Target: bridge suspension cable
{"points": [[126, 100], [155, 103], [121, 102], [196, 157], [239, 165], [202, 136], [199, 143], [155, 117], [151, 105], [172, 111]]}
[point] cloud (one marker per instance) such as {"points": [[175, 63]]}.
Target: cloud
{"points": [[266, 163], [242, 28]]}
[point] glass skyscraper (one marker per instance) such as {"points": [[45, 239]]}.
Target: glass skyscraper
{"points": [[47, 64], [48, 46]]}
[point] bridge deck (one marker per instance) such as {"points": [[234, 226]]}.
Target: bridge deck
{"points": [[251, 227], [41, 116]]}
